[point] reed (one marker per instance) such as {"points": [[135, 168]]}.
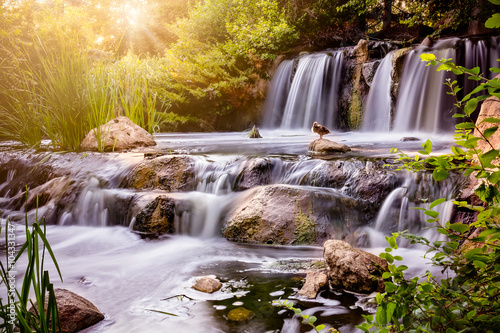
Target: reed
{"points": [[60, 95], [44, 315]]}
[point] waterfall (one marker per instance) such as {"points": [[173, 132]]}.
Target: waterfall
{"points": [[377, 114], [312, 96], [278, 94], [422, 103], [399, 210]]}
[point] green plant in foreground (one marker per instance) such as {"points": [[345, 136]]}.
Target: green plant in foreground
{"points": [[15, 312], [306, 319], [467, 299]]}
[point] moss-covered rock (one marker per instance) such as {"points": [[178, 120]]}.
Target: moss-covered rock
{"points": [[281, 214]]}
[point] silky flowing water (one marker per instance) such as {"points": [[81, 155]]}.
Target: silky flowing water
{"points": [[136, 281]]}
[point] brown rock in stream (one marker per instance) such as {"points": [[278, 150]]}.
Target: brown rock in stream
{"points": [[314, 282], [75, 312], [353, 269]]}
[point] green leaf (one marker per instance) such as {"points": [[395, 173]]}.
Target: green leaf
{"points": [[492, 120], [437, 202], [320, 327], [390, 287], [495, 69], [466, 125], [459, 227], [470, 106], [312, 319], [479, 264], [427, 57], [440, 174], [431, 213], [494, 178], [493, 22], [490, 131], [488, 157], [427, 145]]}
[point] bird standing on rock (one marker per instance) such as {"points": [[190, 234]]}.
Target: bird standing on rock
{"points": [[319, 129]]}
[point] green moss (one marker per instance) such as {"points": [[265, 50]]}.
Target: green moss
{"points": [[305, 231], [355, 111]]}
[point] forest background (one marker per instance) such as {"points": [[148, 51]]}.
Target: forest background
{"points": [[179, 65]]}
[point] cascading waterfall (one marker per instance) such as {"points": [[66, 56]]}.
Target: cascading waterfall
{"points": [[422, 103], [377, 114], [312, 96], [398, 211], [278, 94]]}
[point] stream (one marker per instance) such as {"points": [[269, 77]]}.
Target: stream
{"points": [[135, 281]]}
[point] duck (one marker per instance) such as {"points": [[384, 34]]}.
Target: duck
{"points": [[319, 129]]}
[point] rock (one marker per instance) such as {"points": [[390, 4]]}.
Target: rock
{"points": [[119, 133], [409, 138], [327, 146], [240, 314], [314, 282], [75, 312], [170, 173], [207, 284], [255, 172], [427, 42], [353, 269], [282, 214], [254, 133], [369, 69], [157, 217], [489, 108]]}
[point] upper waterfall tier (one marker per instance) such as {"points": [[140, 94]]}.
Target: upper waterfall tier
{"points": [[299, 96]]}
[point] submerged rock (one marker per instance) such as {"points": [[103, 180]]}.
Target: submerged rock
{"points": [[157, 217], [327, 146], [353, 269], [314, 282], [75, 312], [240, 314], [118, 134], [281, 214], [207, 284], [170, 173]]}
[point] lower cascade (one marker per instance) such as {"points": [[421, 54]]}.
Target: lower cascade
{"points": [[169, 214]]}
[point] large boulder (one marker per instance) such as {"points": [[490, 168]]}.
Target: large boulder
{"points": [[353, 269], [282, 214], [489, 108], [327, 146], [75, 312], [157, 217], [169, 173], [118, 134]]}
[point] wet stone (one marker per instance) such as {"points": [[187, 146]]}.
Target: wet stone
{"points": [[207, 284], [240, 314]]}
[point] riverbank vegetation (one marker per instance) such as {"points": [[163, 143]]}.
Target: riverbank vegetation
{"points": [[68, 66]]}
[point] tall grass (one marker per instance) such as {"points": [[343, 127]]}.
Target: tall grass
{"points": [[60, 95], [15, 313]]}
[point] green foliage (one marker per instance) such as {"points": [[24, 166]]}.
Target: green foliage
{"points": [[15, 313], [468, 300], [306, 319]]}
